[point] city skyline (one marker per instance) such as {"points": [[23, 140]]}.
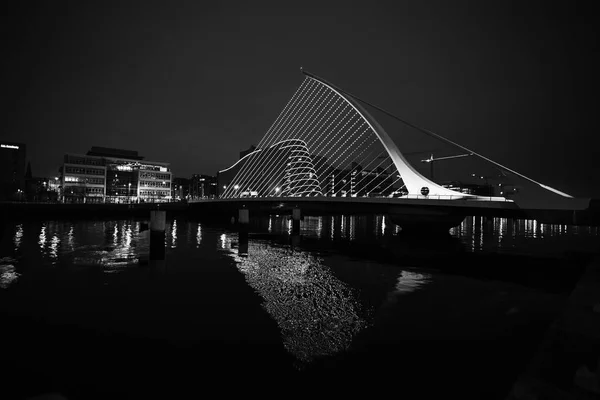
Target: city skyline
{"points": [[194, 85]]}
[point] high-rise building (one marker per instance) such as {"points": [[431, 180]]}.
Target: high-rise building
{"points": [[12, 170], [114, 176]]}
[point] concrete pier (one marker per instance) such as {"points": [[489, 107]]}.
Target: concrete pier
{"points": [[244, 216], [296, 217], [243, 221], [243, 241], [157, 234]]}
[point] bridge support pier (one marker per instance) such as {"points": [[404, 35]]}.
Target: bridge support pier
{"points": [[296, 217], [157, 234], [243, 221], [243, 216]]}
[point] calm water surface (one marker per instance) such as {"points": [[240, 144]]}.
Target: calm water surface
{"points": [[86, 314]]}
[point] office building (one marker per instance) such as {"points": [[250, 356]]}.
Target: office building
{"points": [[114, 176], [12, 170]]}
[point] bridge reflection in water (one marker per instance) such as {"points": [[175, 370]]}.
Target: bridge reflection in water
{"points": [[354, 292], [476, 234]]}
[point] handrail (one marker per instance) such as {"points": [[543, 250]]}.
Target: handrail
{"points": [[363, 198]]}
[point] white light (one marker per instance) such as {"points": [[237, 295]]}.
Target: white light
{"points": [[9, 146], [236, 187], [276, 189]]}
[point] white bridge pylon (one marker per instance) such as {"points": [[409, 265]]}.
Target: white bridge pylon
{"points": [[325, 143]]}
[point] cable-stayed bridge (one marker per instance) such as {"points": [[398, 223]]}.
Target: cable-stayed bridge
{"points": [[325, 153]]}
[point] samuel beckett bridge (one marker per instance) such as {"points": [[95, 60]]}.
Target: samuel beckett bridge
{"points": [[326, 154]]}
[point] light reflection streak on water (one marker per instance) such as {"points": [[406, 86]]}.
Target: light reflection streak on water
{"points": [[352, 227], [332, 227], [270, 229], [71, 239], [481, 233], [409, 281], [502, 233], [343, 227], [222, 240], [115, 236], [312, 224], [199, 235], [383, 226], [8, 274], [18, 236], [472, 233], [317, 313], [55, 241], [42, 238], [320, 227], [174, 234], [127, 239], [123, 253]]}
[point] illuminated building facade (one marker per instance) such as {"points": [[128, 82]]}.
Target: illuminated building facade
{"points": [[12, 170], [114, 176], [288, 170], [83, 179], [286, 167]]}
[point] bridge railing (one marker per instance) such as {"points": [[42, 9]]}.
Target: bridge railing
{"points": [[382, 198], [454, 197]]}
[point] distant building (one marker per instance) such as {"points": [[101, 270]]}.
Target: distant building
{"points": [[12, 170], [180, 189], [54, 184], [114, 176], [203, 187], [40, 190]]}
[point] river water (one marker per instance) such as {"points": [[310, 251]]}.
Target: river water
{"points": [[351, 304]]}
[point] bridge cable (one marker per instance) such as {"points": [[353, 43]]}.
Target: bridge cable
{"points": [[435, 135]]}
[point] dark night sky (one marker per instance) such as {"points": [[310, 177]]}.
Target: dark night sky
{"points": [[193, 83]]}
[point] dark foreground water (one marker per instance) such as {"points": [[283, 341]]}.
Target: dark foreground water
{"points": [[349, 306]]}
